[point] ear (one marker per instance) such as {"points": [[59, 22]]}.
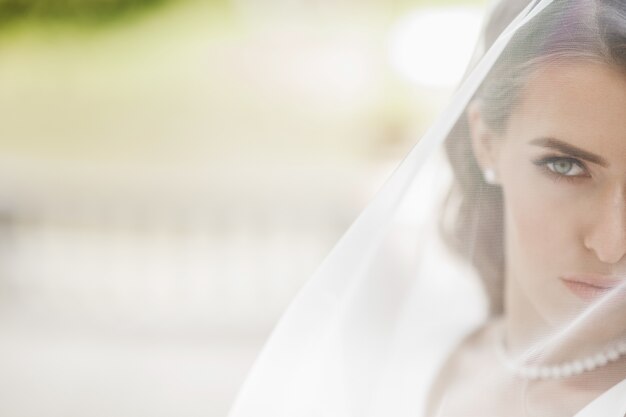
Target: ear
{"points": [[484, 139]]}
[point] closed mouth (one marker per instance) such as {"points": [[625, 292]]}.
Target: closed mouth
{"points": [[589, 287]]}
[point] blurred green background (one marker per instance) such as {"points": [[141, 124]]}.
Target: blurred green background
{"points": [[73, 11], [171, 172]]}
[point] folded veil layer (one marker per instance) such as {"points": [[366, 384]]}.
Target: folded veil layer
{"points": [[377, 324]]}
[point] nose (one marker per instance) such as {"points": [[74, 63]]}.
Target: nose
{"points": [[607, 236]]}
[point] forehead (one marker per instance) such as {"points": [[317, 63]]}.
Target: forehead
{"points": [[583, 103]]}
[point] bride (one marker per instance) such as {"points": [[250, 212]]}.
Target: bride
{"points": [[520, 310]]}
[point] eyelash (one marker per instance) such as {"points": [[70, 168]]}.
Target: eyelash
{"points": [[543, 164]]}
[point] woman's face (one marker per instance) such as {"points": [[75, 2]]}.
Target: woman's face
{"points": [[562, 168]]}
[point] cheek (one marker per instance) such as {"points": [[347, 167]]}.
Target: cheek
{"points": [[539, 230], [532, 229]]}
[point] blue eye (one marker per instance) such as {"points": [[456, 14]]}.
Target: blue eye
{"points": [[565, 167]]}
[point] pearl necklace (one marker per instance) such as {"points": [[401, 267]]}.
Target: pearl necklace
{"points": [[564, 370]]}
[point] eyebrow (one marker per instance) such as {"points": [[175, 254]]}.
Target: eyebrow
{"points": [[570, 150]]}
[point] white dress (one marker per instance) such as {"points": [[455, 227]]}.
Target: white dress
{"points": [[610, 404]]}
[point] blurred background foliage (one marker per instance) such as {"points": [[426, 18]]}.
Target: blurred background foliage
{"points": [[95, 13], [172, 171], [74, 11]]}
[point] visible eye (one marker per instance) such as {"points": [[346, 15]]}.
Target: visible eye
{"points": [[561, 167], [565, 166]]}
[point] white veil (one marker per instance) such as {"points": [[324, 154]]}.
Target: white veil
{"points": [[439, 300]]}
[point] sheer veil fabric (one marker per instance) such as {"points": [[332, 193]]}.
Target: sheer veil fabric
{"points": [[488, 275]]}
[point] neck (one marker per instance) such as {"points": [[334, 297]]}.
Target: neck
{"points": [[524, 327]]}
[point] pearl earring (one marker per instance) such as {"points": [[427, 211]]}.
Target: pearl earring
{"points": [[490, 176]]}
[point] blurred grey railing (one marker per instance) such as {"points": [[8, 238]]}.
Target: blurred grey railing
{"points": [[223, 266]]}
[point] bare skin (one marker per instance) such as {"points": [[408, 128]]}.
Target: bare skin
{"points": [[495, 392], [562, 167]]}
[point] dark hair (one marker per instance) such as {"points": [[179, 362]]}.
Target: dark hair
{"points": [[565, 30]]}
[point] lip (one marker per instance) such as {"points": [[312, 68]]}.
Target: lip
{"points": [[589, 287]]}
